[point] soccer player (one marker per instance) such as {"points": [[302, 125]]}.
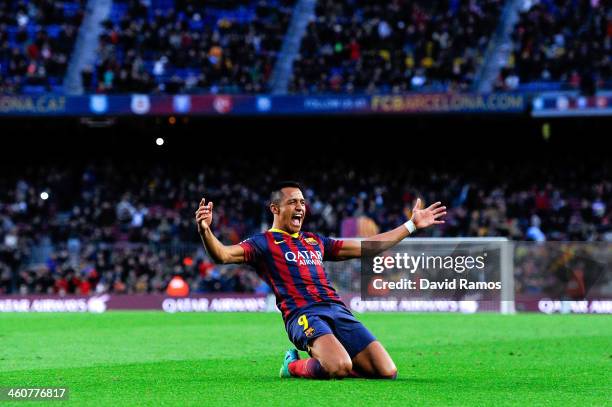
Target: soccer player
{"points": [[291, 262]]}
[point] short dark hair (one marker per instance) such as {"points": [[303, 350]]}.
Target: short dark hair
{"points": [[276, 195]]}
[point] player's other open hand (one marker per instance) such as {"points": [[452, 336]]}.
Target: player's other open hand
{"points": [[204, 215], [432, 215]]}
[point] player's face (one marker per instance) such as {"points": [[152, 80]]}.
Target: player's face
{"points": [[291, 210]]}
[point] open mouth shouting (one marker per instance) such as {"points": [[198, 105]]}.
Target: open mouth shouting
{"points": [[296, 219]]}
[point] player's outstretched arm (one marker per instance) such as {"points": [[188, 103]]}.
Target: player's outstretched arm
{"points": [[219, 252], [421, 218]]}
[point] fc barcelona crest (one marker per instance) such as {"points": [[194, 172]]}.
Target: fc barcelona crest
{"points": [[311, 241]]}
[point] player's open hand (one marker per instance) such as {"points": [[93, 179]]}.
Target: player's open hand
{"points": [[432, 215], [204, 215]]}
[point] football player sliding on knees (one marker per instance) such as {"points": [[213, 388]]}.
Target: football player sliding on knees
{"points": [[291, 262]]}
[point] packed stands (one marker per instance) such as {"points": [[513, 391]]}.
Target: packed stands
{"points": [[166, 46], [134, 232], [36, 41], [180, 46], [394, 46], [561, 45]]}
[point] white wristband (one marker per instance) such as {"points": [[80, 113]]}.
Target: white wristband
{"points": [[410, 226]]}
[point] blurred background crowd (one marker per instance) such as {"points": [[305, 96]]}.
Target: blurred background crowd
{"points": [[113, 227]]}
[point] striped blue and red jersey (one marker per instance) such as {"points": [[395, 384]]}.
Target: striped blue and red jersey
{"points": [[292, 265]]}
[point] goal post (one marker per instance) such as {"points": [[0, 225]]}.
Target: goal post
{"points": [[507, 305]]}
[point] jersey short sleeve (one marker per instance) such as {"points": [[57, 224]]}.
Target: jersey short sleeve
{"points": [[252, 249], [331, 248]]}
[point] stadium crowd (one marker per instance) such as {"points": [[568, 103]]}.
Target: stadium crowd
{"points": [[180, 46], [112, 227], [567, 42], [394, 46], [36, 40], [183, 46]]}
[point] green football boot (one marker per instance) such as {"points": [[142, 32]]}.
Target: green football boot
{"points": [[290, 356]]}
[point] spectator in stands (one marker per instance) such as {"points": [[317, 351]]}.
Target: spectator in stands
{"points": [[394, 46], [191, 48], [564, 43], [114, 232], [36, 39]]}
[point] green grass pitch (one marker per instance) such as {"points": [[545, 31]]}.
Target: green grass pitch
{"points": [[152, 358]]}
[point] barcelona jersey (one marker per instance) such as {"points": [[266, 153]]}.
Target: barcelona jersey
{"points": [[292, 265]]}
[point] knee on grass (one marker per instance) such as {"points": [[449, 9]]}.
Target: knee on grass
{"points": [[388, 372], [338, 369]]}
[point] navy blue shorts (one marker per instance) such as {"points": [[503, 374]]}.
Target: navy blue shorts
{"points": [[319, 319]]}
